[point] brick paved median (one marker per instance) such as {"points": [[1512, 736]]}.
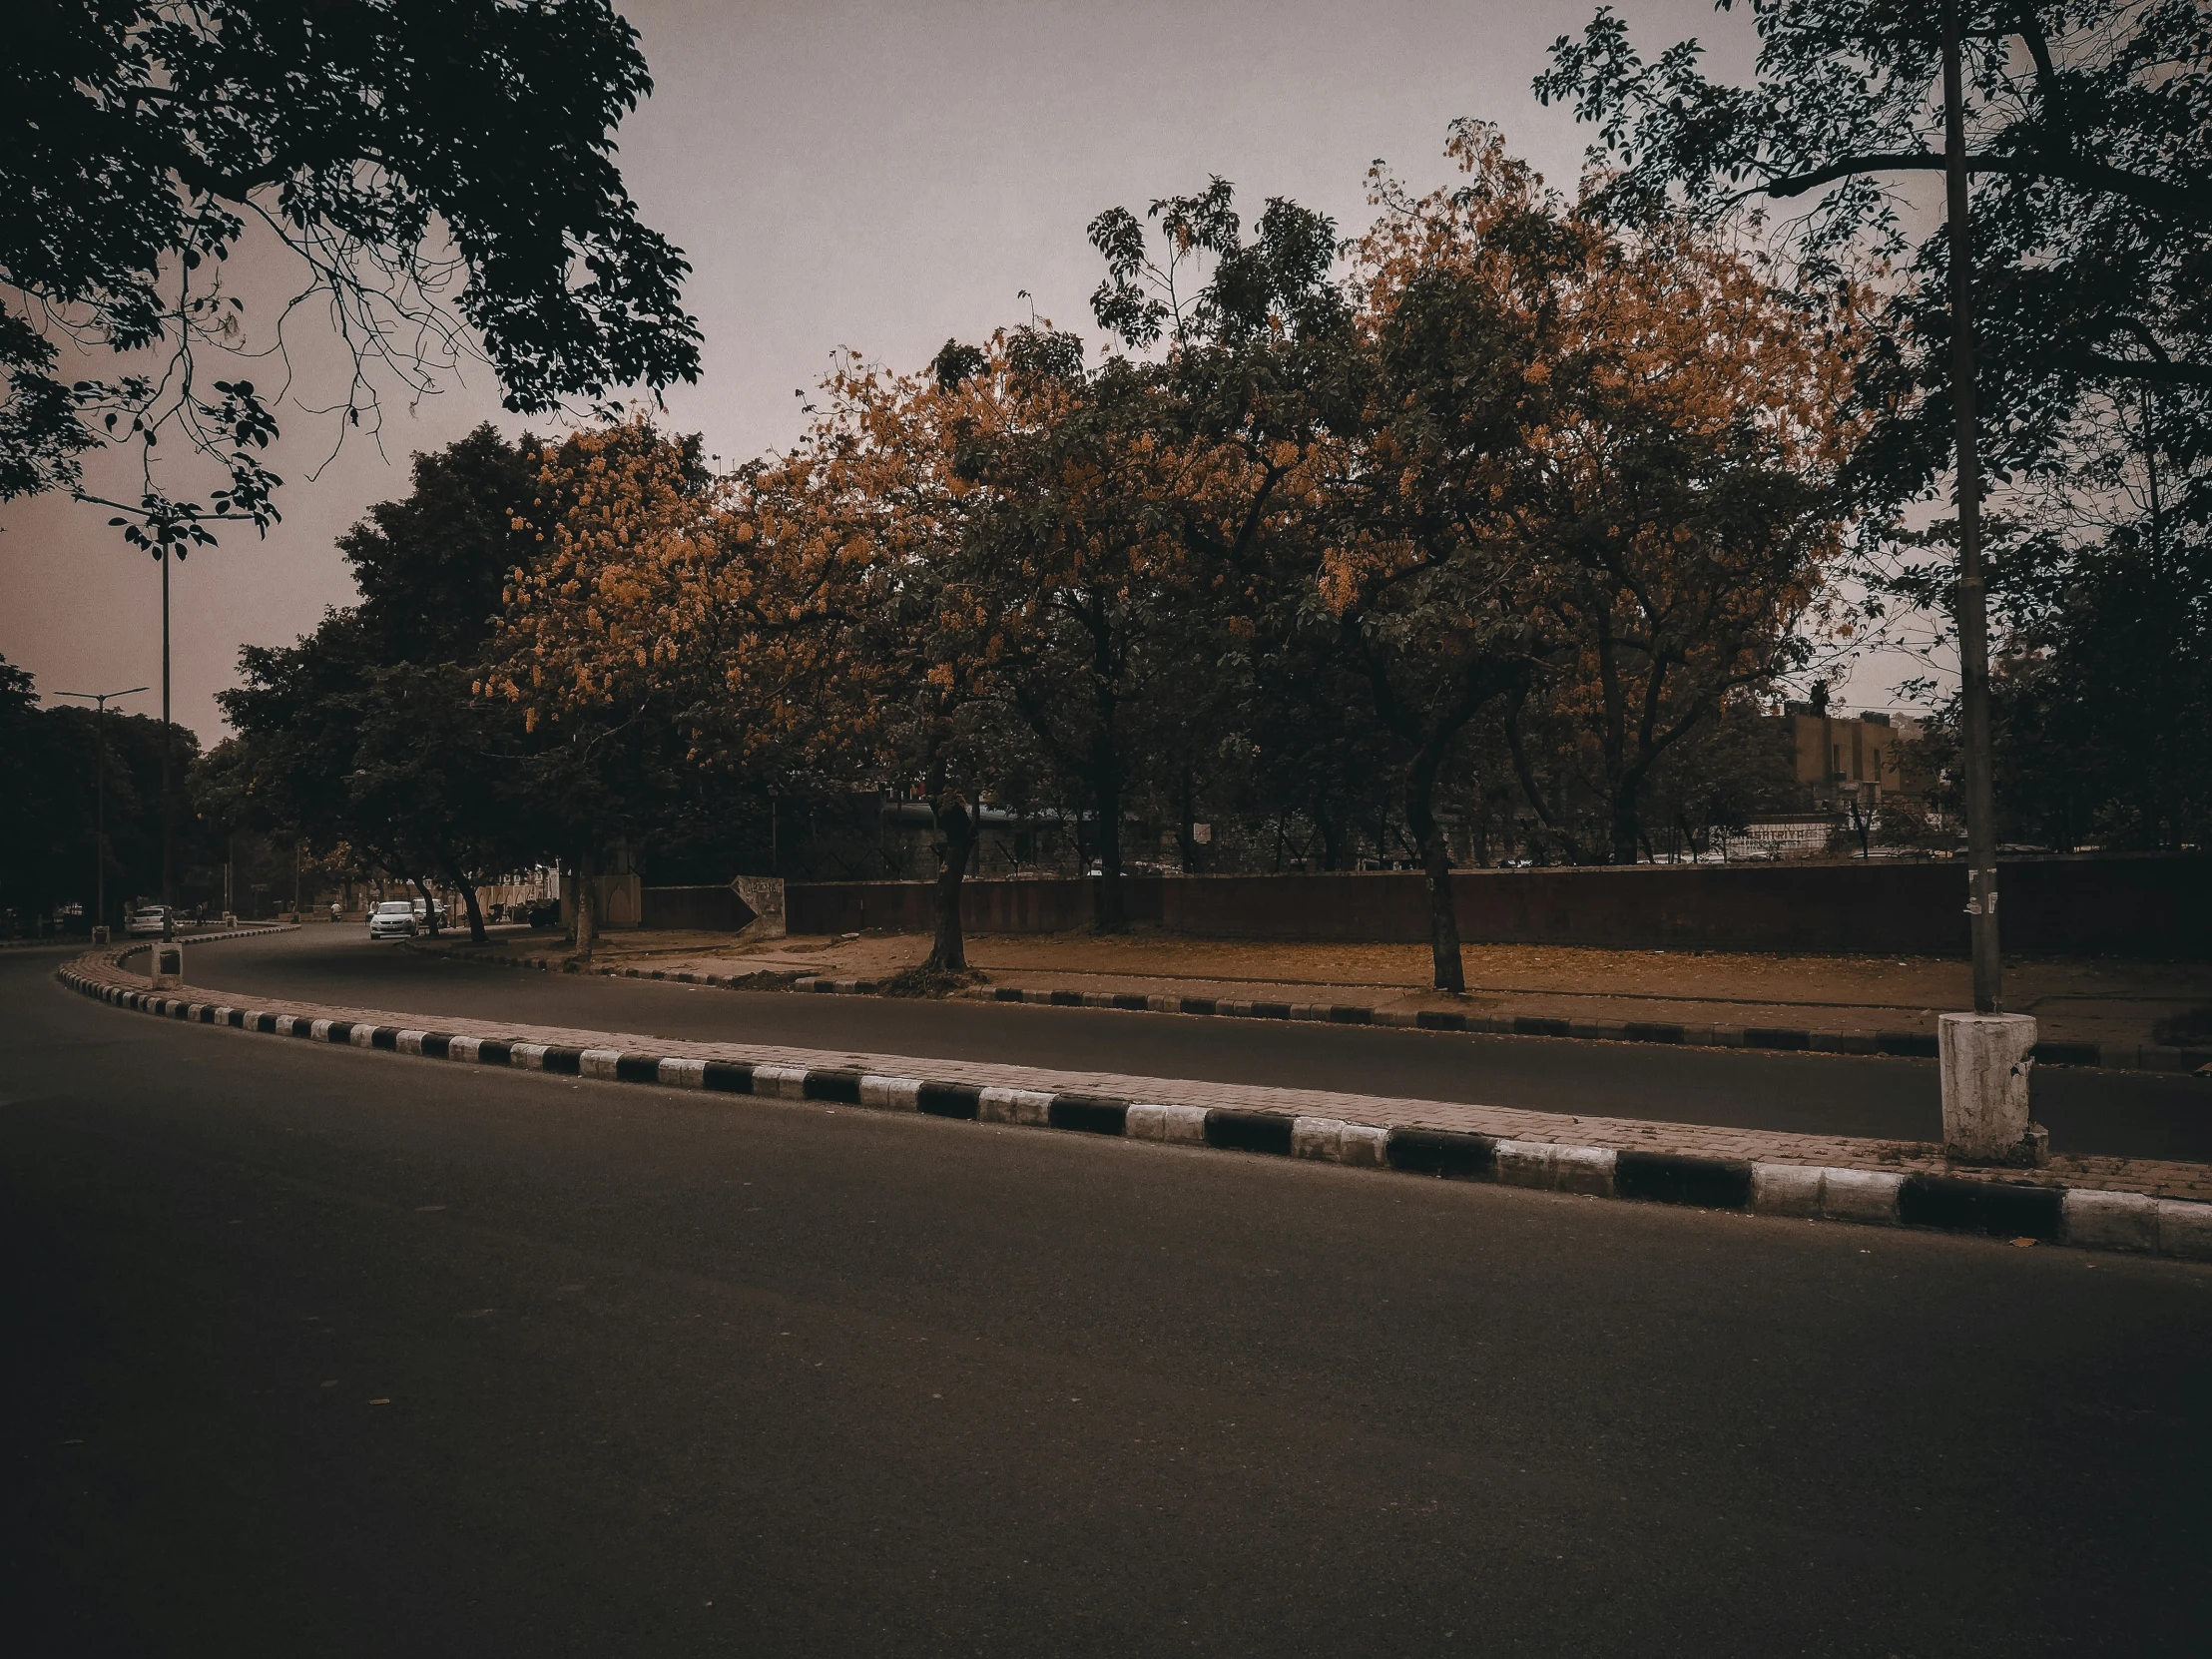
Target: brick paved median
{"points": [[2117, 1202]]}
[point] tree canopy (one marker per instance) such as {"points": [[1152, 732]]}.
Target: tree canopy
{"points": [[438, 176], [2089, 129]]}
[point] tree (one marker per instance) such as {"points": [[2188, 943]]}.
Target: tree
{"points": [[2088, 127], [1252, 326], [1130, 507], [872, 640], [1425, 582], [625, 570], [49, 765], [1684, 489], [394, 152], [2102, 702], [368, 733], [34, 849]]}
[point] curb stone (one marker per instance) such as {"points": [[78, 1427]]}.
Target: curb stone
{"points": [[1917, 1045], [2088, 1218], [123, 950], [127, 946], [1911, 1045]]}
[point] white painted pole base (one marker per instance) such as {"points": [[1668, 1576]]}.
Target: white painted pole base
{"points": [[1984, 1060], [166, 972]]}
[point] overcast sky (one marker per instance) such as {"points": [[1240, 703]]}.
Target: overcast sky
{"points": [[874, 174]]}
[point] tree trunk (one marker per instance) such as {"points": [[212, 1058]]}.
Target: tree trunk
{"points": [[476, 933], [1112, 902], [1435, 857], [587, 907], [1627, 831], [1331, 839], [429, 903], [948, 953]]}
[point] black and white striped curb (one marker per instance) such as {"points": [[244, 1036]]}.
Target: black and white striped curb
{"points": [[135, 947], [142, 943], [1785, 1038], [2090, 1217]]}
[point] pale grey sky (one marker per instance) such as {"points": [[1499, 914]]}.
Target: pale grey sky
{"points": [[867, 173]]}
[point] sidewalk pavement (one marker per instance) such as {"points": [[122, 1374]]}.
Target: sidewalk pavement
{"points": [[2145, 1204]]}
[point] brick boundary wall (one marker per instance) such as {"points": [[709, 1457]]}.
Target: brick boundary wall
{"points": [[2152, 906], [1883, 1188]]}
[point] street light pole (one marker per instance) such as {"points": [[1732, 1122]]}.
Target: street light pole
{"points": [[169, 894], [1972, 591], [100, 701]]}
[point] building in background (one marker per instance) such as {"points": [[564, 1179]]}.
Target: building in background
{"points": [[1861, 758]]}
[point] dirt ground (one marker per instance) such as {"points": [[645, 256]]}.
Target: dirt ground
{"points": [[2097, 999]]}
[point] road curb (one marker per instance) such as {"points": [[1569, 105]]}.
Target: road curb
{"points": [[128, 947], [1786, 1039], [2089, 1217], [119, 952], [1780, 1039]]}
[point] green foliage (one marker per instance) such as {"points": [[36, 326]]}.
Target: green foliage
{"points": [[2089, 132], [51, 760], [368, 733], [417, 161]]}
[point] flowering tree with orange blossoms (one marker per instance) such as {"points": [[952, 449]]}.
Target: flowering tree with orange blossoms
{"points": [[1566, 458], [1115, 536], [1682, 494], [1518, 458], [900, 655], [621, 516], [813, 603], [1427, 582]]}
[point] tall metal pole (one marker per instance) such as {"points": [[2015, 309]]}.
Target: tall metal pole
{"points": [[100, 815], [1972, 593], [100, 701], [169, 891]]}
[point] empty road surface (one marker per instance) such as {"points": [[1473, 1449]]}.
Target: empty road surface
{"points": [[337, 1353]]}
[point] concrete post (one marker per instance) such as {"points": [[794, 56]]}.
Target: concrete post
{"points": [[1984, 1060], [764, 897], [167, 970]]}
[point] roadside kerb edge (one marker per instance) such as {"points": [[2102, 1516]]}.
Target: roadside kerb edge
{"points": [[2088, 1218]]}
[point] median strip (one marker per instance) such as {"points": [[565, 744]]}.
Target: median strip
{"points": [[1914, 1045], [1918, 1191]]}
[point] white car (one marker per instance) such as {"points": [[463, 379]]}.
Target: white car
{"points": [[392, 920], [146, 919]]}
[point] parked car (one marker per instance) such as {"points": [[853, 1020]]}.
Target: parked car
{"points": [[392, 920], [146, 919]]}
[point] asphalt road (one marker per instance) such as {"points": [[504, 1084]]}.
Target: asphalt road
{"points": [[2133, 1114], [315, 1351]]}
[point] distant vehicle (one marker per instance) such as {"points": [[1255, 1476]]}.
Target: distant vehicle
{"points": [[394, 918], [546, 912], [418, 911], [146, 919]]}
